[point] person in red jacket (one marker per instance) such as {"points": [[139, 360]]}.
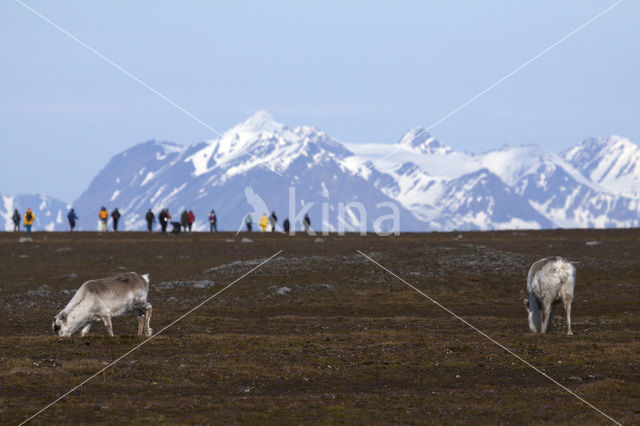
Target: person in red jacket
{"points": [[192, 218]]}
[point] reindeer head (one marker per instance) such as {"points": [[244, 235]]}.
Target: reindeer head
{"points": [[59, 325], [525, 299], [533, 313]]}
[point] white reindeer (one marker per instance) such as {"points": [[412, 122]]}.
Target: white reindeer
{"points": [[550, 280], [102, 299]]}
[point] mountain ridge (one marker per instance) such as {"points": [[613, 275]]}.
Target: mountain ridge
{"points": [[596, 183]]}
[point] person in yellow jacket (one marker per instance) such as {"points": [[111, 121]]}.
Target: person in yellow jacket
{"points": [[104, 217], [28, 220], [264, 221]]}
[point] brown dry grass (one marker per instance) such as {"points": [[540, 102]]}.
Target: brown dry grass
{"points": [[347, 344]]}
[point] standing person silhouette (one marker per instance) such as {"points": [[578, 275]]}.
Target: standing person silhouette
{"points": [[163, 218], [184, 220], [16, 220], [213, 221], [192, 218], [264, 221], [306, 222], [150, 218], [273, 220], [72, 217], [115, 215], [103, 216], [29, 218], [249, 222]]}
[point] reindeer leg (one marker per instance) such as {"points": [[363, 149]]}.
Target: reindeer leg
{"points": [[147, 317], [140, 324], [567, 307], [85, 330], [106, 319], [546, 314], [550, 320]]}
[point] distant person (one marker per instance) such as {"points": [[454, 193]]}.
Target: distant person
{"points": [[184, 220], [28, 220], [273, 220], [286, 225], [162, 221], [115, 215], [150, 218], [306, 222], [249, 222], [72, 217], [213, 221], [163, 218], [264, 221], [103, 217], [16, 220], [192, 218], [176, 227]]}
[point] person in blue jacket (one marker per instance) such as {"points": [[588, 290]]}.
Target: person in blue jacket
{"points": [[72, 217]]}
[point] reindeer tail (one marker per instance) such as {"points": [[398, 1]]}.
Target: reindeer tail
{"points": [[565, 270]]}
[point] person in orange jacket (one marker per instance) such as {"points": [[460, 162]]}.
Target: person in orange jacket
{"points": [[104, 217], [28, 220]]}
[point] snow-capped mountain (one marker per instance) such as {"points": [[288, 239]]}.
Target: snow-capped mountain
{"points": [[513, 187], [613, 163], [288, 171], [481, 200], [261, 165], [419, 140], [50, 214]]}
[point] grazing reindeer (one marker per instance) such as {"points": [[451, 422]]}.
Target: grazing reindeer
{"points": [[550, 280], [103, 299]]}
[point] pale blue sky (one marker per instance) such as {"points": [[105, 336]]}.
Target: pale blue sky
{"points": [[362, 72]]}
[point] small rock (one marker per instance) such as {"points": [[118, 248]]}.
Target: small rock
{"points": [[318, 240], [65, 248], [25, 240], [203, 284], [283, 290], [42, 291], [579, 379], [246, 240], [592, 243]]}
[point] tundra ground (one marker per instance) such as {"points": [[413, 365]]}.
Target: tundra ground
{"points": [[320, 334]]}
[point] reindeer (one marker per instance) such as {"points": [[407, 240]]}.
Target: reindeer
{"points": [[103, 299], [550, 280]]}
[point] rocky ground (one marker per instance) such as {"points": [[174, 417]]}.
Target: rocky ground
{"points": [[320, 333]]}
